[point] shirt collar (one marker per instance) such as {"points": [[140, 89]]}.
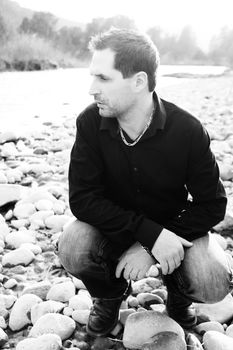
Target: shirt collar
{"points": [[158, 122]]}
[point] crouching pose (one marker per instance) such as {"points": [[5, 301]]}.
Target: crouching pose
{"points": [[144, 187]]}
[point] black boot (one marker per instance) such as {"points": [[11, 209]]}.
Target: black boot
{"points": [[181, 310], [104, 314]]}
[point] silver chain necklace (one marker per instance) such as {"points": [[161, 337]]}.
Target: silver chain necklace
{"points": [[130, 144]]}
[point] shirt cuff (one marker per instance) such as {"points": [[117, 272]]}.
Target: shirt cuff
{"points": [[148, 232]]}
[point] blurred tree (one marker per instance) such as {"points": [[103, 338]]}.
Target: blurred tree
{"points": [[186, 46], [42, 24], [3, 30], [98, 25], [221, 47], [70, 39]]}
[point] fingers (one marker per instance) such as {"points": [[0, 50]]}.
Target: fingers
{"points": [[185, 243], [119, 268]]}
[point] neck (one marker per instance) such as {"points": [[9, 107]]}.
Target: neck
{"points": [[136, 119]]}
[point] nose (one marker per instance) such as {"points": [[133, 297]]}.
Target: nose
{"points": [[94, 89]]}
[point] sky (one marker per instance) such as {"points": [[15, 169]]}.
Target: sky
{"points": [[205, 16]]}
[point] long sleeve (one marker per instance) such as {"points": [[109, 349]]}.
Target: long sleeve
{"points": [[208, 203], [89, 203]]}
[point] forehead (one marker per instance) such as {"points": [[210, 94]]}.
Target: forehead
{"points": [[102, 61]]}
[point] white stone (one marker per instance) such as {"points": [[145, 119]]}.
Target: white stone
{"points": [[145, 285], [209, 326], [81, 316], [58, 324], [19, 316], [11, 283], [40, 215], [10, 193], [4, 230], [3, 337], [2, 243], [9, 214], [78, 283], [78, 302], [153, 271], [44, 204], [59, 207], [8, 136], [43, 342], [67, 311], [9, 150], [20, 223], [14, 175], [3, 178], [142, 327], [40, 168], [229, 331], [56, 222], [16, 239], [20, 256], [49, 306], [7, 300], [36, 249], [217, 341], [61, 291], [220, 312], [3, 324], [37, 194], [38, 288], [24, 210]]}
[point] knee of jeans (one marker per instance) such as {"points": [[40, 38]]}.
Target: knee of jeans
{"points": [[206, 268], [76, 245]]}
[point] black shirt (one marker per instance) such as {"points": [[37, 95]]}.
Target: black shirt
{"points": [[168, 179]]}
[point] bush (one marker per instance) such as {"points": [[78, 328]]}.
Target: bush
{"points": [[25, 47]]}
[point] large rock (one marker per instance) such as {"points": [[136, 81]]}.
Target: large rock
{"points": [[56, 222], [19, 316], [20, 256], [58, 324], [209, 326], [49, 306], [166, 340], [8, 136], [9, 150], [78, 302], [81, 316], [10, 193], [220, 312], [43, 342], [142, 327], [61, 291], [145, 285], [39, 288], [16, 239], [217, 341], [24, 210]]}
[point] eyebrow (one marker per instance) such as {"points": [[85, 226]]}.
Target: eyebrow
{"points": [[100, 75]]}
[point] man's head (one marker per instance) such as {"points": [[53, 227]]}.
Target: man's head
{"points": [[123, 68], [134, 52]]}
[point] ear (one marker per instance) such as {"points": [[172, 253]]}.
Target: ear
{"points": [[141, 81]]}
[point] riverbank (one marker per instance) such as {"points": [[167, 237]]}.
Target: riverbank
{"points": [[33, 169]]}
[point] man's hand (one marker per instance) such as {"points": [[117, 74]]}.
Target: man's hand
{"points": [[168, 250], [135, 262]]}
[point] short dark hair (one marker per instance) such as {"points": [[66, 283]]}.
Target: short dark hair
{"points": [[134, 52]]}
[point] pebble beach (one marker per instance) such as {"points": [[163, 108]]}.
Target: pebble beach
{"points": [[41, 305]]}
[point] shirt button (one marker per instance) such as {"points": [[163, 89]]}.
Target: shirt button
{"points": [[138, 190], [135, 169]]}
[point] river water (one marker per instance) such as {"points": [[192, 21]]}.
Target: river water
{"points": [[27, 99]]}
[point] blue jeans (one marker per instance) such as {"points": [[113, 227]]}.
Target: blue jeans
{"points": [[203, 276]]}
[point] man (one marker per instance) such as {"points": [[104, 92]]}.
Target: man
{"points": [[144, 187]]}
